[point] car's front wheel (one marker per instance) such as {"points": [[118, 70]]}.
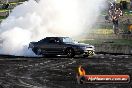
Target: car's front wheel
{"points": [[90, 53], [70, 52]]}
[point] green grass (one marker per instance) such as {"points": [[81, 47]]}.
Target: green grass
{"points": [[13, 3], [103, 31], [91, 41], [122, 42], [2, 17], [109, 41], [3, 10]]}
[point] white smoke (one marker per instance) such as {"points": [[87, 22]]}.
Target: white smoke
{"points": [[32, 21]]}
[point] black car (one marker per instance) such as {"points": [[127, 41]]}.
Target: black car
{"points": [[61, 46]]}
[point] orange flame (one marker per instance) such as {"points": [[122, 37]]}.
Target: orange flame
{"points": [[81, 71]]}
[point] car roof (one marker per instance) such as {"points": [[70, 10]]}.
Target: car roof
{"points": [[57, 37]]}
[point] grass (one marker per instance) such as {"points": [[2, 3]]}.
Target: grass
{"points": [[13, 3], [103, 31], [3, 10], [93, 42], [122, 42], [2, 17]]}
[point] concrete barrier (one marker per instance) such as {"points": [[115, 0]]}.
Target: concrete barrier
{"points": [[125, 49]]}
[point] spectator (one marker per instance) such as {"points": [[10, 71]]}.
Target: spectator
{"points": [[130, 4], [114, 14], [120, 12], [129, 26], [115, 23], [121, 5]]}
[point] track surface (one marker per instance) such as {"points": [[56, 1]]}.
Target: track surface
{"points": [[60, 72]]}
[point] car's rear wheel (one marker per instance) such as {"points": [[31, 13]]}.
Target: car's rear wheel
{"points": [[37, 51], [70, 52]]}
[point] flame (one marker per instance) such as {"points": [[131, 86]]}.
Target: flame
{"points": [[81, 71]]}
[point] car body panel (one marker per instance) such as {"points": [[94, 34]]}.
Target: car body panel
{"points": [[57, 46]]}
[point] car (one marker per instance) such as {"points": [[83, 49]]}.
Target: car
{"points": [[61, 46]]}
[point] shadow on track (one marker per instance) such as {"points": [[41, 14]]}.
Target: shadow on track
{"points": [[13, 57]]}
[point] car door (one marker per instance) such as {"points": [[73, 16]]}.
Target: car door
{"points": [[54, 46], [43, 45]]}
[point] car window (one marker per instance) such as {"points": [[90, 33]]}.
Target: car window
{"points": [[54, 40], [57, 40], [68, 40], [51, 41]]}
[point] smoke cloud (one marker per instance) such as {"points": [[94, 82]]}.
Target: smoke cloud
{"points": [[32, 21]]}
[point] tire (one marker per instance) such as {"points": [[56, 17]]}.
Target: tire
{"points": [[70, 52], [85, 56], [37, 51]]}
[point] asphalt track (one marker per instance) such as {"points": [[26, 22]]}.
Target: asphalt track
{"points": [[60, 72]]}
